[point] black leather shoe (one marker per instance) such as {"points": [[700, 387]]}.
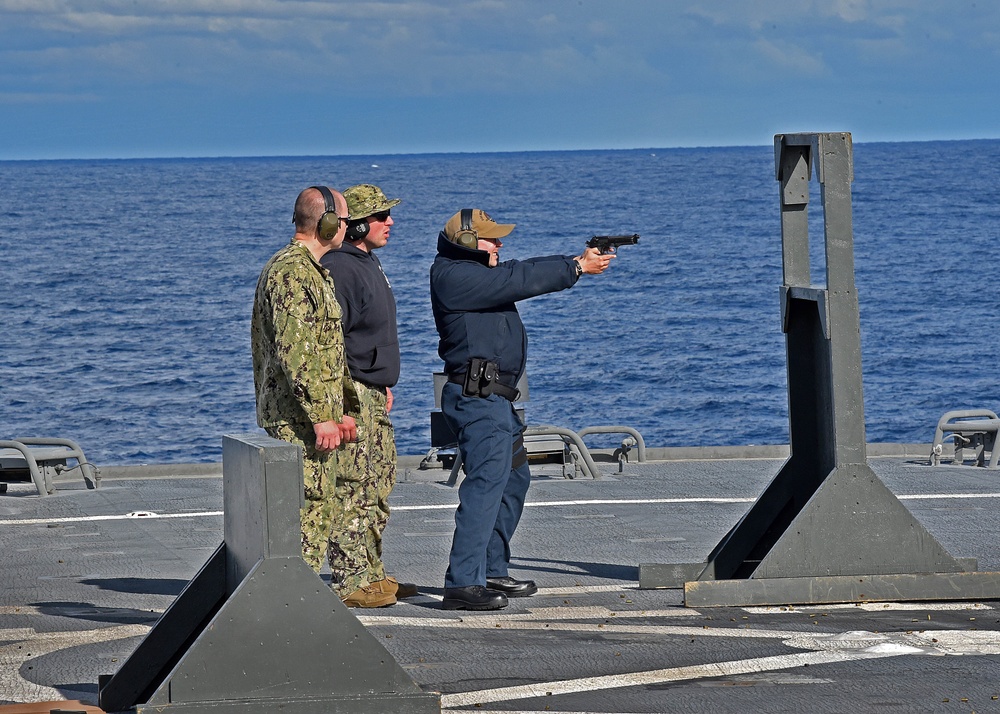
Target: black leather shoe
{"points": [[511, 587], [473, 597]]}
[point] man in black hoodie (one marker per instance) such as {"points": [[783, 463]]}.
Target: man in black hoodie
{"points": [[368, 466], [484, 348]]}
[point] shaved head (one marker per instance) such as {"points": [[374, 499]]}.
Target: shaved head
{"points": [[309, 207]]}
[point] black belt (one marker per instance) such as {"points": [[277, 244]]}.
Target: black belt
{"points": [[511, 394]]}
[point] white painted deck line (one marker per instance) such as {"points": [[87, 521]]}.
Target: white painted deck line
{"points": [[452, 506]]}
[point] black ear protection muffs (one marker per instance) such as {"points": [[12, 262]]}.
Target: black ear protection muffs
{"points": [[465, 236], [329, 222], [356, 230]]}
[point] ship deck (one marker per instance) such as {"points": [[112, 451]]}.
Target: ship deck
{"points": [[86, 573]]}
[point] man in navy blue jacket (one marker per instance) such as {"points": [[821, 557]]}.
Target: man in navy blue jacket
{"points": [[484, 344]]}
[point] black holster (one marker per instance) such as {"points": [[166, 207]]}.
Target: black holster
{"points": [[482, 378]]}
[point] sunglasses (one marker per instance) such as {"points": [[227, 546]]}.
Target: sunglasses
{"points": [[380, 216]]}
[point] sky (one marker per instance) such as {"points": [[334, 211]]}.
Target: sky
{"points": [[194, 78]]}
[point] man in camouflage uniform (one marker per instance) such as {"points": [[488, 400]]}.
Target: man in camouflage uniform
{"points": [[367, 466], [304, 392]]}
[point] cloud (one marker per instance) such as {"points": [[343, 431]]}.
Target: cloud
{"points": [[45, 98], [790, 58], [117, 16], [516, 67], [236, 42], [434, 48], [421, 48]]}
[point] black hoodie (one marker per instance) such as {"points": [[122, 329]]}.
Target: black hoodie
{"points": [[369, 315]]}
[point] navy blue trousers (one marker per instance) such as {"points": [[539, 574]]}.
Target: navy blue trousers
{"points": [[491, 496]]}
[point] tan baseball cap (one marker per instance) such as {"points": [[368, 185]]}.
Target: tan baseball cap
{"points": [[481, 224]]}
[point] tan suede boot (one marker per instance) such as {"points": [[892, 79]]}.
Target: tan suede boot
{"points": [[372, 595]]}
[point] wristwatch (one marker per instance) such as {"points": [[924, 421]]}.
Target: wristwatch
{"points": [[579, 268]]}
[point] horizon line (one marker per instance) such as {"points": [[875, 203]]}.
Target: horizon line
{"points": [[193, 157]]}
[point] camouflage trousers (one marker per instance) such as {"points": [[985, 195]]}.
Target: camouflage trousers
{"points": [[361, 507], [319, 477]]}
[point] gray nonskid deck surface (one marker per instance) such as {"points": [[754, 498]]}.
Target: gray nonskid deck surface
{"points": [[77, 594]]}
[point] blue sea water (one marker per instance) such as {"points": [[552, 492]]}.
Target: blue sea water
{"points": [[126, 286]]}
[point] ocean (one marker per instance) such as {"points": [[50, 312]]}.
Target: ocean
{"points": [[126, 288]]}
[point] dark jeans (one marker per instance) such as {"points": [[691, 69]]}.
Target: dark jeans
{"points": [[491, 497]]}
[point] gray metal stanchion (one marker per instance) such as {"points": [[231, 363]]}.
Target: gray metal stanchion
{"points": [[826, 529], [257, 631]]}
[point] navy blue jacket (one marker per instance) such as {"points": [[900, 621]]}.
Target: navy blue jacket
{"points": [[368, 314], [474, 308]]}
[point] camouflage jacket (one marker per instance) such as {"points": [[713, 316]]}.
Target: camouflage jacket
{"points": [[299, 366]]}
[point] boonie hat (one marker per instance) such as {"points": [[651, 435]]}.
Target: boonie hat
{"points": [[481, 223], [365, 199]]}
